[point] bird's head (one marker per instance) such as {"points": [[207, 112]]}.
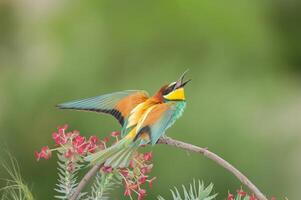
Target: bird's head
{"points": [[175, 90]]}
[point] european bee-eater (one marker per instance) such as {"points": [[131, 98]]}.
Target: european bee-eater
{"points": [[143, 119]]}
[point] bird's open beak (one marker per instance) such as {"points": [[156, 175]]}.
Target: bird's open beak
{"points": [[180, 82]]}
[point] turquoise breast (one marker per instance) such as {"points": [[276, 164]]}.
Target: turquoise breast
{"points": [[178, 111]]}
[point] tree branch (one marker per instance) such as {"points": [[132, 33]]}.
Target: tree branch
{"points": [[212, 156], [189, 147], [91, 173]]}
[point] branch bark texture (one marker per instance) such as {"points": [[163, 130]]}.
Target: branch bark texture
{"points": [[189, 147], [220, 161], [90, 174]]}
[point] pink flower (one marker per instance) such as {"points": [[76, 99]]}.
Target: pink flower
{"points": [[252, 197], [68, 153], [92, 144], [74, 147], [45, 153], [106, 140], [107, 169], [142, 179], [55, 136], [62, 129], [37, 155], [79, 143], [150, 182], [124, 172], [81, 149], [127, 192], [72, 134], [142, 194], [230, 196], [93, 139], [70, 167], [146, 169], [148, 156], [91, 148], [59, 139], [75, 133], [241, 193], [115, 133], [78, 140]]}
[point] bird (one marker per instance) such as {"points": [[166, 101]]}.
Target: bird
{"points": [[143, 118]]}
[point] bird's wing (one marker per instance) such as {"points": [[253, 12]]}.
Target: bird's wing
{"points": [[118, 104], [157, 120]]}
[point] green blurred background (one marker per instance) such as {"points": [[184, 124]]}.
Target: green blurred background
{"points": [[243, 103]]}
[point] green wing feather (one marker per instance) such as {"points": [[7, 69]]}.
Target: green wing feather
{"points": [[118, 155], [104, 103]]}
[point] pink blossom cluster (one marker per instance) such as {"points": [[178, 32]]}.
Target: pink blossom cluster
{"points": [[74, 147], [136, 175], [44, 153], [72, 144], [241, 193]]}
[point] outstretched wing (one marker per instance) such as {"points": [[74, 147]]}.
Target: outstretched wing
{"points": [[118, 104], [158, 119]]}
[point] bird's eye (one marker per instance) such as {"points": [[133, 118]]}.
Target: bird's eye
{"points": [[168, 89]]}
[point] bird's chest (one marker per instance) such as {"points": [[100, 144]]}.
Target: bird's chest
{"points": [[178, 111]]}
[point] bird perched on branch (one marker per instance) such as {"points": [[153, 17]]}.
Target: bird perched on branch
{"points": [[144, 119]]}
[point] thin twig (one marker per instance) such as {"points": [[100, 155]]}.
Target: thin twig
{"points": [[90, 174], [182, 145]]}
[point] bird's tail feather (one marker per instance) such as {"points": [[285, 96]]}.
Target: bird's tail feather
{"points": [[118, 155]]}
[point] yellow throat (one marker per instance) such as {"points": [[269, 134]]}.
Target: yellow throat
{"points": [[177, 94]]}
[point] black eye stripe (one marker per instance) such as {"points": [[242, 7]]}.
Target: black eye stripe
{"points": [[169, 89]]}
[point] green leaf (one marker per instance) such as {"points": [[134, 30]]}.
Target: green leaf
{"points": [[195, 191], [67, 181], [15, 188], [104, 183]]}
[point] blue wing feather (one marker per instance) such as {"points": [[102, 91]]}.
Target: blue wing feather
{"points": [[104, 103]]}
